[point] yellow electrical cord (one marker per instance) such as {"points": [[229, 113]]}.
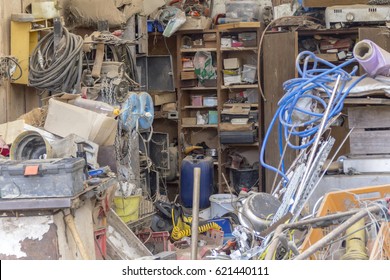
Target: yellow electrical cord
{"points": [[183, 229]]}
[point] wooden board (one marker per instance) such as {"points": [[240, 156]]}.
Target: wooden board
{"points": [[378, 35], [369, 117], [278, 59], [369, 142], [235, 25], [328, 3]]}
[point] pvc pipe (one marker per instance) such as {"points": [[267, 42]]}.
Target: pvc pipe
{"points": [[195, 214]]}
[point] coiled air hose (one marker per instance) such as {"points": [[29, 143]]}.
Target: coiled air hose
{"points": [[306, 87], [182, 228], [57, 70]]}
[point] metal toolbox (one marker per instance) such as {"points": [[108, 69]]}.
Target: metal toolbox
{"points": [[41, 178]]}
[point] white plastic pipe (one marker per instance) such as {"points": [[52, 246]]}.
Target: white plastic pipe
{"points": [[195, 214]]}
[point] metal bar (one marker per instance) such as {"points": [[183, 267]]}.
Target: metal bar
{"points": [[316, 142]]}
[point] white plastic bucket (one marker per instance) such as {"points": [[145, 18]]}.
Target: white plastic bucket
{"points": [[221, 204]]}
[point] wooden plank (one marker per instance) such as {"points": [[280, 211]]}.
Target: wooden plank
{"points": [[369, 142], [328, 3], [378, 35], [97, 66], [369, 117], [142, 34], [367, 101], [236, 25], [278, 59]]}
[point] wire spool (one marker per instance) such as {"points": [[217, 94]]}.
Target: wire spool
{"points": [[30, 145], [146, 110], [131, 111]]}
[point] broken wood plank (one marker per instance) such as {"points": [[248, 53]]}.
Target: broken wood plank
{"points": [[369, 117], [369, 142]]}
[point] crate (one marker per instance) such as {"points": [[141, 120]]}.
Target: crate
{"points": [[156, 242], [370, 130], [342, 201]]}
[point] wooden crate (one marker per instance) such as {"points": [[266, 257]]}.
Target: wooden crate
{"points": [[371, 130]]}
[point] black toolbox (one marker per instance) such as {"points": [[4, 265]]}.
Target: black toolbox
{"points": [[41, 178]]}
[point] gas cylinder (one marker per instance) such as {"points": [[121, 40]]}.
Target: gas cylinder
{"points": [[187, 180]]}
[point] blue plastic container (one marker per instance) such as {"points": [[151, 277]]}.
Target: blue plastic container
{"points": [[206, 166]]}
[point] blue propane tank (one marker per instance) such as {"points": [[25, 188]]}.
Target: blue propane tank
{"points": [[187, 180]]}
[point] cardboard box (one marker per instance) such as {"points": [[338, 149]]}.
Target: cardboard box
{"points": [[328, 56], [210, 37], [64, 119], [163, 98], [169, 107], [226, 42], [210, 44], [231, 79], [188, 121], [231, 63], [188, 75], [196, 23], [9, 131]]}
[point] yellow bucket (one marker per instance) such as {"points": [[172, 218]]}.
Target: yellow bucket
{"points": [[127, 208]]}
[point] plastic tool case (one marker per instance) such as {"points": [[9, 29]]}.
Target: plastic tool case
{"points": [[41, 178]]}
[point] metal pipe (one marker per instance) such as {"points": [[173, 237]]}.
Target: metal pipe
{"points": [[316, 143], [279, 230], [195, 214], [337, 231]]}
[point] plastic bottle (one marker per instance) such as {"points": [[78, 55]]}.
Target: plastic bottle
{"points": [[96, 106]]}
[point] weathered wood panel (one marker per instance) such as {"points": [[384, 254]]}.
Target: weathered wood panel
{"points": [[369, 142], [279, 52], [369, 117]]}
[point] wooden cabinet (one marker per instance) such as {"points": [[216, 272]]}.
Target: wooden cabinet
{"points": [[217, 94], [24, 38]]}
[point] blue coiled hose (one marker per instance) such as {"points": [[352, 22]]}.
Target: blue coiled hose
{"points": [[300, 88]]}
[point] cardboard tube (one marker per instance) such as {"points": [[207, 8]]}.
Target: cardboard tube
{"points": [[195, 214]]}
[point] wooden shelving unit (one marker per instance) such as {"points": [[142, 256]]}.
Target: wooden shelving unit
{"points": [[210, 134]]}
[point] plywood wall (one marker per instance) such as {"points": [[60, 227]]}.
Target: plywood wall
{"points": [[15, 100]]}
